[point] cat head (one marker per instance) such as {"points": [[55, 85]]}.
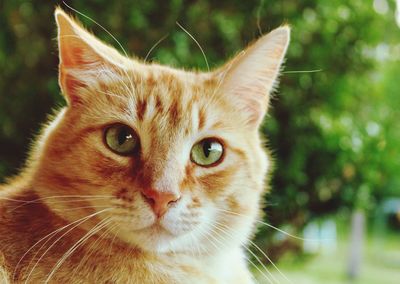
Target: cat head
{"points": [[165, 159]]}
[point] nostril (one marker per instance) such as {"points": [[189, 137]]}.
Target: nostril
{"points": [[172, 202], [150, 200], [159, 201]]}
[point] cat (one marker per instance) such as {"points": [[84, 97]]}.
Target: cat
{"points": [[150, 174]]}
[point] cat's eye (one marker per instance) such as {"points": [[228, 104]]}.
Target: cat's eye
{"points": [[121, 139], [208, 152]]}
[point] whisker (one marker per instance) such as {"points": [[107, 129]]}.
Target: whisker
{"points": [[42, 239], [78, 208], [264, 254], [206, 235], [104, 29], [113, 95], [55, 196], [198, 44], [258, 16], [270, 261], [111, 35], [254, 265], [82, 240], [222, 78], [251, 262], [269, 225], [115, 75], [200, 250], [90, 249], [154, 46], [112, 243], [250, 251], [82, 220], [74, 199], [301, 71], [14, 200]]}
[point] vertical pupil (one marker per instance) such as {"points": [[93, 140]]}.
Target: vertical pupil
{"points": [[207, 148], [122, 136]]}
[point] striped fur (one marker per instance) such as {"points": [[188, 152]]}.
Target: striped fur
{"points": [[196, 241]]}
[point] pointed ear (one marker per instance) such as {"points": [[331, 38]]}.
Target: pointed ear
{"points": [[249, 78], [82, 56]]}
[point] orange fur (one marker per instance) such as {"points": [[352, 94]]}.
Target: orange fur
{"points": [[71, 175]]}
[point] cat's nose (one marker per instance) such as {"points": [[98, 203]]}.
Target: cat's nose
{"points": [[160, 200]]}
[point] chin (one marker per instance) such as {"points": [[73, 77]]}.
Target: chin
{"points": [[157, 239]]}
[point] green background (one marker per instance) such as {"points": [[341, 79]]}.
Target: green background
{"points": [[334, 133]]}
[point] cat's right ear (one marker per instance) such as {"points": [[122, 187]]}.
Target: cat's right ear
{"points": [[250, 77], [82, 57]]}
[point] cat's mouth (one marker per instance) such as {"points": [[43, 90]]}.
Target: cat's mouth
{"points": [[141, 227], [158, 229], [155, 228], [154, 238]]}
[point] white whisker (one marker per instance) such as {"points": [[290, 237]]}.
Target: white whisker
{"points": [[264, 254], [88, 235], [81, 221], [111, 35], [55, 196], [268, 225], [115, 76], [252, 263], [79, 208], [301, 71], [154, 46], [90, 249], [258, 17], [217, 226], [198, 44], [113, 95], [270, 260], [71, 198], [112, 243]]}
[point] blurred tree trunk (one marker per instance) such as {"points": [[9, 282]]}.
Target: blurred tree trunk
{"points": [[356, 244]]}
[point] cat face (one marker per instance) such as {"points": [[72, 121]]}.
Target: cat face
{"points": [[166, 160]]}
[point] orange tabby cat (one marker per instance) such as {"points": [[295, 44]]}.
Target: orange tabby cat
{"points": [[149, 175]]}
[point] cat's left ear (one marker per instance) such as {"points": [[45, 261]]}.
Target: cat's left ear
{"points": [[82, 57], [250, 77]]}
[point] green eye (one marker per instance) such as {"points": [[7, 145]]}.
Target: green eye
{"points": [[121, 139], [207, 152]]}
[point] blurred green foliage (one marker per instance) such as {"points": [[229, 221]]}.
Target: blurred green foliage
{"points": [[333, 133]]}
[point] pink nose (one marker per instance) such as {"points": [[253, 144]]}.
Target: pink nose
{"points": [[160, 200]]}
